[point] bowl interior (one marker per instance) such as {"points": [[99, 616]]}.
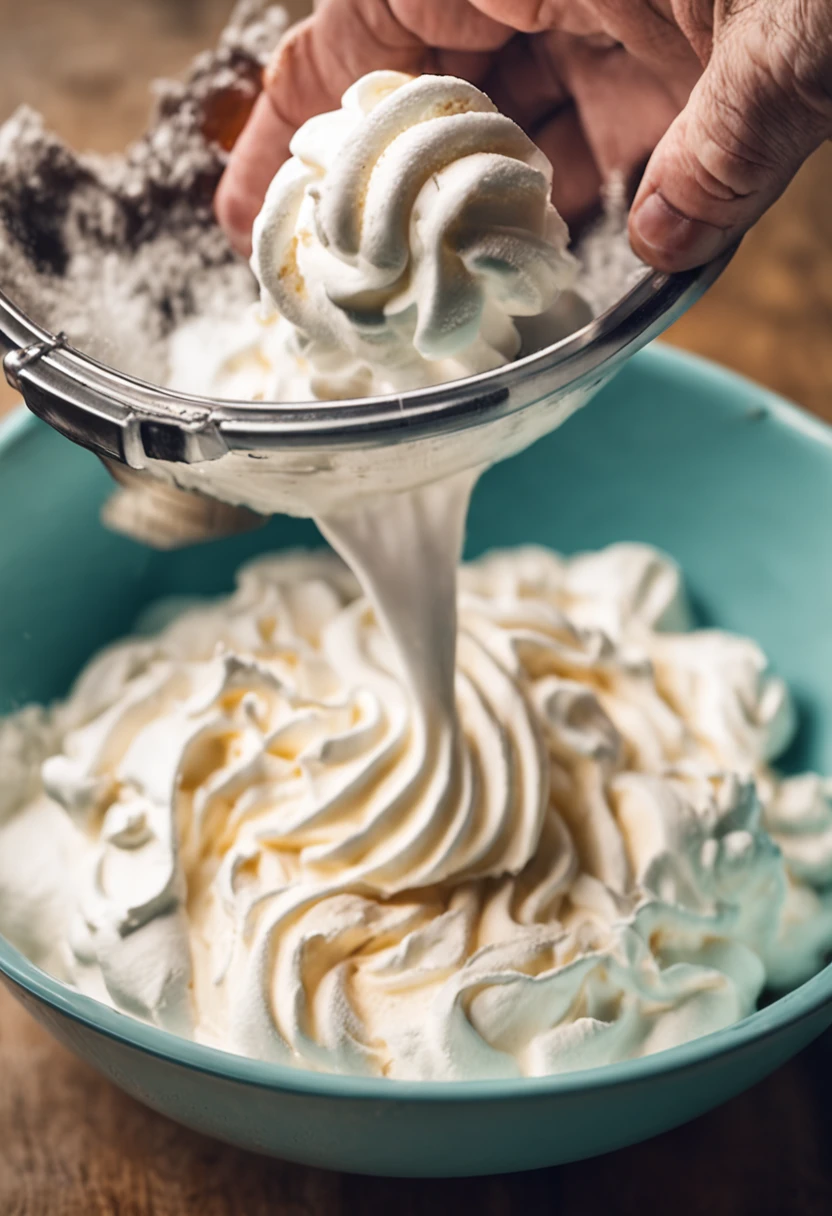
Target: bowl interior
{"points": [[733, 483]]}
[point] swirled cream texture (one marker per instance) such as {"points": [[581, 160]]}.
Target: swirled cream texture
{"points": [[246, 828], [396, 248]]}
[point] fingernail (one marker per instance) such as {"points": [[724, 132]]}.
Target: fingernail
{"points": [[674, 240]]}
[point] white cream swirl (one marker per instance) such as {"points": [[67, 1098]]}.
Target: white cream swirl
{"points": [[395, 249], [270, 844]]}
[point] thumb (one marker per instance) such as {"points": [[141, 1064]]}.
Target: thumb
{"points": [[760, 108]]}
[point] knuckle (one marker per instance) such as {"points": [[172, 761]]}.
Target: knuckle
{"points": [[800, 57], [736, 147], [765, 111], [789, 43]]}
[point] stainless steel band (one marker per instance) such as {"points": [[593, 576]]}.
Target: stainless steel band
{"points": [[130, 422]]}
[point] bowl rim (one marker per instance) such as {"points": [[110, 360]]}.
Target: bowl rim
{"points": [[787, 1011]]}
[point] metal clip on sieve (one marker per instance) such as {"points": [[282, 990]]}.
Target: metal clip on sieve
{"points": [[148, 509]]}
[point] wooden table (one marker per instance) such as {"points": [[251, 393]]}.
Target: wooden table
{"points": [[70, 1144]]}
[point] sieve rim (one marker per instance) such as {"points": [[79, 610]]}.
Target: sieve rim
{"points": [[101, 407]]}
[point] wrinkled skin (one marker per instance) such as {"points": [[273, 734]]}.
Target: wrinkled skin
{"points": [[722, 101]]}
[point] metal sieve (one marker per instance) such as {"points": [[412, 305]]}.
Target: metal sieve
{"points": [[238, 461]]}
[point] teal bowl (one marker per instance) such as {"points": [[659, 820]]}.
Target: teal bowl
{"points": [[732, 481]]}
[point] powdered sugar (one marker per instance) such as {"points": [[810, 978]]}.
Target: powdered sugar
{"points": [[118, 250]]}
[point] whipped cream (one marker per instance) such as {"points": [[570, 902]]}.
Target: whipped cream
{"points": [[260, 828], [400, 246]]}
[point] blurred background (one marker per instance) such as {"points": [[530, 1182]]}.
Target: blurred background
{"points": [[87, 64]]}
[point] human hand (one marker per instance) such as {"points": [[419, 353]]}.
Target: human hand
{"points": [[723, 99]]}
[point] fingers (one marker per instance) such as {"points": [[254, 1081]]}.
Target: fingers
{"points": [[625, 108], [455, 24], [525, 83], [313, 65], [653, 37], [537, 16], [466, 65], [595, 105], [757, 113], [258, 153], [577, 180], [321, 57]]}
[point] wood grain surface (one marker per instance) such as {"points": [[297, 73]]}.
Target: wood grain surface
{"points": [[70, 1144]]}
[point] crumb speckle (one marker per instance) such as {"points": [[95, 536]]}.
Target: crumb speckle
{"points": [[289, 272], [117, 251]]}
